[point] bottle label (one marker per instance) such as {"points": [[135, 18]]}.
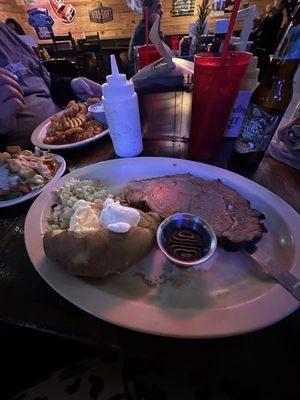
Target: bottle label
{"points": [[257, 130], [237, 113]]}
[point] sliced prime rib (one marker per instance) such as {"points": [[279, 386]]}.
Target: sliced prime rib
{"points": [[231, 215]]}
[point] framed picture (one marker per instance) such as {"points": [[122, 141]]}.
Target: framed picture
{"points": [[101, 14], [182, 8]]}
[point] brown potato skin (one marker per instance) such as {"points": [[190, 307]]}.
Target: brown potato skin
{"points": [[101, 253]]}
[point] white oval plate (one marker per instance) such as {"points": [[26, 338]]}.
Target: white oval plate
{"points": [[230, 298], [40, 131], [34, 193]]}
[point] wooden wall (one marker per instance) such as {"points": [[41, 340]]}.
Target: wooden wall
{"points": [[122, 25], [8, 8]]}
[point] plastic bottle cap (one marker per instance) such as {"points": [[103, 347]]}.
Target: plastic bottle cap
{"points": [[221, 26], [117, 86], [115, 78]]}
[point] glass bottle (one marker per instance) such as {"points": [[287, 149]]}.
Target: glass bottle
{"points": [[269, 101]]}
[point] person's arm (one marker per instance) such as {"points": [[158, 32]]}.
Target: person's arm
{"points": [[11, 100]]}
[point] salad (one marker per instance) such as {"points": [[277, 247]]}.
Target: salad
{"points": [[22, 171]]}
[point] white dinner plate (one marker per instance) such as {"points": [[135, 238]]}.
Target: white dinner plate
{"points": [[34, 193], [40, 131], [230, 298]]}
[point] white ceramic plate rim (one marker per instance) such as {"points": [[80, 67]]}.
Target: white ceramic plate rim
{"points": [[37, 138], [218, 322], [34, 193]]}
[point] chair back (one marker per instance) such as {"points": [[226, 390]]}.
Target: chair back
{"points": [[90, 43], [91, 38], [63, 43]]}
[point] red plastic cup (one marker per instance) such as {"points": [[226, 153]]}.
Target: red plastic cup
{"points": [[147, 55], [216, 84], [175, 42]]}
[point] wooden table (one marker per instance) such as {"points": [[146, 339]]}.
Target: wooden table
{"points": [[257, 360]]}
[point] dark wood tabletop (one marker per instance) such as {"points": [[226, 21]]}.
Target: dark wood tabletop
{"points": [[25, 298]]}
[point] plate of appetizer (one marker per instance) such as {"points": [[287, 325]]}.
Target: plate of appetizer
{"points": [[92, 237], [72, 127], [24, 174]]}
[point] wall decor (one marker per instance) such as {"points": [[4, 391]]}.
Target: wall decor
{"points": [[65, 13], [182, 7], [41, 21], [101, 14], [221, 7], [135, 5]]}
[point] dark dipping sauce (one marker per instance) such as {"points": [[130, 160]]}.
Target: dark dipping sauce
{"points": [[185, 244]]}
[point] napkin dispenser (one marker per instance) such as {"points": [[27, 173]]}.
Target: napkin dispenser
{"points": [[164, 89], [165, 100]]}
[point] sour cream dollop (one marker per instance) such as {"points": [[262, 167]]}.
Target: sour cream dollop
{"points": [[85, 218], [118, 218]]}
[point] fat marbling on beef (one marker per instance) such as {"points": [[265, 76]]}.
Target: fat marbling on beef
{"points": [[230, 214]]}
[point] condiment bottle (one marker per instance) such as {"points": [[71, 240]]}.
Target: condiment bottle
{"points": [[269, 101], [122, 113], [248, 85], [266, 108]]}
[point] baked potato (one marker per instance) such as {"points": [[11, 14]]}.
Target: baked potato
{"points": [[101, 253]]}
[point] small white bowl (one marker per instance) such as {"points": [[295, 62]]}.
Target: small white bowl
{"points": [[98, 113], [184, 220]]}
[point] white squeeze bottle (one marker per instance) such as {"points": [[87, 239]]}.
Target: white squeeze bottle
{"points": [[122, 113]]}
